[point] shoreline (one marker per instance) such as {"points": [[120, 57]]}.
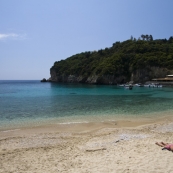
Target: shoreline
{"points": [[82, 127], [87, 122]]}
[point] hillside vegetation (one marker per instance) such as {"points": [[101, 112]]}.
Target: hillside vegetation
{"points": [[122, 59]]}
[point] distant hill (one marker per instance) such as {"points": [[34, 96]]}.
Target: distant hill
{"points": [[137, 60]]}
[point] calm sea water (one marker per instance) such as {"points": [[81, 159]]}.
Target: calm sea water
{"points": [[25, 103]]}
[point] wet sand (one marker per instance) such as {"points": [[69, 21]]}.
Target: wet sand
{"points": [[116, 146]]}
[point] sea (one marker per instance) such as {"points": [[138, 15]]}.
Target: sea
{"points": [[26, 103]]}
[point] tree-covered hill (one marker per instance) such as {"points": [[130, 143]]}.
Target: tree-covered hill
{"points": [[122, 62]]}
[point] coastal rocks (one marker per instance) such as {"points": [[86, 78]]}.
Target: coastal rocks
{"points": [[138, 76], [148, 73], [111, 79], [93, 79], [43, 80], [46, 80]]}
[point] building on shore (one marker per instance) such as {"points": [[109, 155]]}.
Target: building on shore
{"points": [[168, 80]]}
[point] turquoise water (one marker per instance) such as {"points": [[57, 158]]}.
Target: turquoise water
{"points": [[25, 103]]}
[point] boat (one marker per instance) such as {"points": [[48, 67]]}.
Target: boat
{"points": [[121, 85], [130, 87], [157, 85], [147, 85], [139, 85], [153, 85]]}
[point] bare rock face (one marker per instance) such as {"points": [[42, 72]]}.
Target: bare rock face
{"points": [[140, 75], [93, 79], [54, 77], [149, 73]]}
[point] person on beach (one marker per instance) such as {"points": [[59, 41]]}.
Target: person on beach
{"points": [[165, 146]]}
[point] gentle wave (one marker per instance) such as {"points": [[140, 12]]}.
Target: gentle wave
{"points": [[74, 122], [6, 131]]}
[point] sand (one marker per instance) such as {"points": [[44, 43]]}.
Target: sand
{"points": [[87, 148]]}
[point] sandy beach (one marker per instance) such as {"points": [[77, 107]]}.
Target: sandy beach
{"points": [[87, 148]]}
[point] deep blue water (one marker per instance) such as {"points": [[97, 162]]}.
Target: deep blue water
{"points": [[25, 103]]}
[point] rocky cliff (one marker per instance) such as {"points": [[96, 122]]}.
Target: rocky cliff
{"points": [[138, 76], [149, 73]]}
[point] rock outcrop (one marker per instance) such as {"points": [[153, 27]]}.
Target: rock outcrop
{"points": [[46, 80], [131, 60], [43, 80]]}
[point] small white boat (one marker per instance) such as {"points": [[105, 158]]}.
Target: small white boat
{"points": [[121, 85], [147, 85], [139, 85], [157, 86], [153, 85]]}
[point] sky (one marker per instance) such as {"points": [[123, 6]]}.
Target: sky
{"points": [[36, 33]]}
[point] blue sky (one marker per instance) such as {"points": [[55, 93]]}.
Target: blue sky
{"points": [[36, 33]]}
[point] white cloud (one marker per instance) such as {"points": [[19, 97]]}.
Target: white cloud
{"points": [[11, 36]]}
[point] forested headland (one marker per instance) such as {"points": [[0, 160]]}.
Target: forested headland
{"points": [[138, 60]]}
